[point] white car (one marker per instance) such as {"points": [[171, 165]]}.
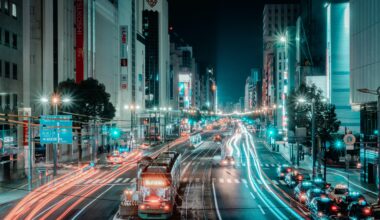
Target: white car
{"points": [[338, 192]]}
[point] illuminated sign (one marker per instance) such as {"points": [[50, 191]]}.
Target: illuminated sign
{"points": [[154, 182]]}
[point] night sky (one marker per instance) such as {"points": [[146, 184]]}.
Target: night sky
{"points": [[225, 33]]}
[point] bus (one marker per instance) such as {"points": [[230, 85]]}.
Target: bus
{"points": [[158, 182]]}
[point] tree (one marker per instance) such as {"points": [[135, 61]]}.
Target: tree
{"points": [[89, 98], [299, 115]]}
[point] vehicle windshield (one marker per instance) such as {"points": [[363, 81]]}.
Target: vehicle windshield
{"points": [[340, 191]]}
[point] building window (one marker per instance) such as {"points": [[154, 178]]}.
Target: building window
{"points": [[14, 41], [14, 10], [7, 101], [6, 6], [14, 100], [6, 38], [7, 70], [14, 69], [1, 68]]}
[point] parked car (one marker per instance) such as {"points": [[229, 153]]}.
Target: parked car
{"points": [[283, 170], [323, 208], [301, 189]]}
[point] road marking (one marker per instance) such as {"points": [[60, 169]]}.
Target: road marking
{"points": [[272, 165], [259, 181], [252, 195], [244, 181], [261, 208], [125, 180], [243, 164], [275, 182], [184, 163], [229, 180], [76, 216], [221, 180], [118, 180], [185, 179], [267, 165], [202, 163], [197, 180], [282, 182], [133, 180], [237, 181], [216, 202]]}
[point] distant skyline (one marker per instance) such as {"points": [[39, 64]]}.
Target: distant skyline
{"points": [[227, 34]]}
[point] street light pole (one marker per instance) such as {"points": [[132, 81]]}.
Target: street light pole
{"points": [[313, 135], [55, 146]]}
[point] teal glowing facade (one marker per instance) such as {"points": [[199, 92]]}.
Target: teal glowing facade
{"points": [[338, 64]]}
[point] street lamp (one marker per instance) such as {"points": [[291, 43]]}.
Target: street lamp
{"points": [[133, 108], [55, 100], [302, 100], [376, 92]]}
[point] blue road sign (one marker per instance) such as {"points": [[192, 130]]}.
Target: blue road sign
{"points": [[56, 129]]}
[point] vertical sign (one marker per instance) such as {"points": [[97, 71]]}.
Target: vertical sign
{"points": [[124, 45], [79, 36]]}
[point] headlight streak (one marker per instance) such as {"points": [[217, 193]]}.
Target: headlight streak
{"points": [[256, 160], [257, 189]]}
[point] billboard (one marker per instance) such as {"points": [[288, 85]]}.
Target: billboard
{"points": [[124, 45], [79, 38]]}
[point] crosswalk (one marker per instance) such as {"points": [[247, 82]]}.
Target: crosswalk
{"points": [[227, 180], [118, 181]]}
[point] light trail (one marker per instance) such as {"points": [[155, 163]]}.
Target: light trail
{"points": [[259, 172]]}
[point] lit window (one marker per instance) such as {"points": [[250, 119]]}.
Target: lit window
{"points": [[14, 10]]}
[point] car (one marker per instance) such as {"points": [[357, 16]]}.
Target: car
{"points": [[283, 170], [359, 210], [228, 160], [338, 192], [323, 208], [300, 190], [346, 200], [314, 193], [218, 138], [295, 177], [320, 183]]}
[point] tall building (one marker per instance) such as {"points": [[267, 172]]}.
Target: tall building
{"points": [[364, 73], [276, 17], [157, 57], [248, 94], [11, 60], [338, 65]]}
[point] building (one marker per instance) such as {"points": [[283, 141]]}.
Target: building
{"points": [[248, 94], [364, 73], [338, 65], [157, 56], [276, 18], [11, 60]]}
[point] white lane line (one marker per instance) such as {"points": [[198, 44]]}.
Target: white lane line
{"points": [[118, 180], [197, 180], [76, 216], [272, 165], [267, 165], [133, 180], [237, 181], [216, 202], [282, 182], [252, 195], [229, 180], [125, 180], [275, 182], [259, 181], [261, 208], [244, 181], [221, 180]]}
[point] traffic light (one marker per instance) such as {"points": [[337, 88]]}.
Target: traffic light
{"points": [[338, 144], [271, 132], [376, 132], [115, 132]]}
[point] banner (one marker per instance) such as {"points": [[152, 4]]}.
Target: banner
{"points": [[124, 45], [79, 36]]}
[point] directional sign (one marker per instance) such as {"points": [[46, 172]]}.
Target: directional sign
{"points": [[349, 139], [56, 129]]}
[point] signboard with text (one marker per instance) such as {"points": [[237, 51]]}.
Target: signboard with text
{"points": [[56, 129]]}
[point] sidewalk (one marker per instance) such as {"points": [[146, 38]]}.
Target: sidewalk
{"points": [[334, 175]]}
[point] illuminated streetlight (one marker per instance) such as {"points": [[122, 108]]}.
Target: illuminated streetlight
{"points": [[283, 39]]}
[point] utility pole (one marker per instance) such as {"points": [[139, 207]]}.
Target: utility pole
{"points": [[30, 155], [55, 146]]}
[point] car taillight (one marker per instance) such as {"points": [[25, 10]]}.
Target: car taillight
{"points": [[142, 206], [224, 162], [302, 197], [334, 208], [166, 207], [367, 211], [282, 174], [288, 170], [320, 214], [300, 178], [232, 162]]}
